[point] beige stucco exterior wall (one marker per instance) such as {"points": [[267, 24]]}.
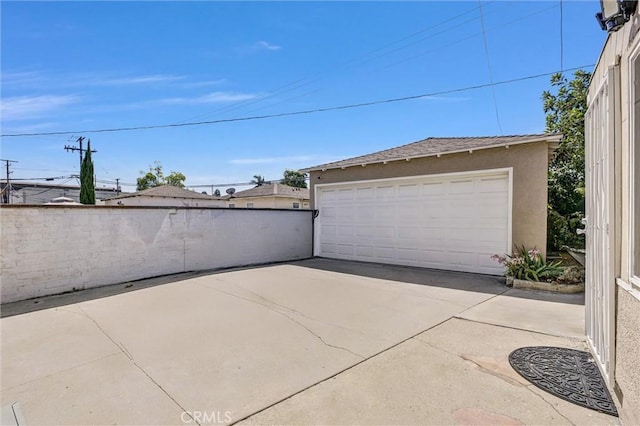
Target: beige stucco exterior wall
{"points": [[269, 202], [618, 50], [529, 163]]}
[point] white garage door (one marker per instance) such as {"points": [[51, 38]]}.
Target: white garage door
{"points": [[454, 221]]}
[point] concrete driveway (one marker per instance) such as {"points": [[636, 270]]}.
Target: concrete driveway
{"points": [[310, 342]]}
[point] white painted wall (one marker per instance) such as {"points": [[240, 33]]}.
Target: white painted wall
{"points": [[52, 249], [142, 200]]}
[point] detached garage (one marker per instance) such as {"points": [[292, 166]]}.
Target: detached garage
{"points": [[444, 203]]}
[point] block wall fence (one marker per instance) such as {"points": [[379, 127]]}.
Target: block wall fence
{"points": [[48, 250]]}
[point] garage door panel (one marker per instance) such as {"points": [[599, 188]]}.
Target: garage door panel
{"points": [[344, 249], [385, 252], [460, 258], [328, 231], [365, 194], [437, 222], [408, 191], [385, 192], [328, 248], [409, 255], [345, 230], [466, 186], [410, 233], [432, 189], [497, 185], [365, 253]]}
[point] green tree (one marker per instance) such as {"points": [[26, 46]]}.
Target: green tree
{"points": [[87, 183], [155, 177], [294, 178], [258, 180], [565, 109], [175, 179]]}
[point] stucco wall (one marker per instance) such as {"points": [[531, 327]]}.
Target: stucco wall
{"points": [[52, 249], [165, 201], [618, 50], [628, 356], [529, 162]]}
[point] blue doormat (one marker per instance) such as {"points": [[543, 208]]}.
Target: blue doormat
{"points": [[566, 373]]}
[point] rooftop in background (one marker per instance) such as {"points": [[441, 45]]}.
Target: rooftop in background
{"points": [[438, 146], [273, 190], [167, 191]]}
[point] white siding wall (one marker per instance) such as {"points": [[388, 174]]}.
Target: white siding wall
{"points": [[50, 250]]}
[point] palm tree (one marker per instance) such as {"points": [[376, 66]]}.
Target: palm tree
{"points": [[258, 180]]}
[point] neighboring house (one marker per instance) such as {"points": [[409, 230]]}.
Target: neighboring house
{"points": [[612, 132], [445, 203], [63, 201], [166, 195], [270, 196], [41, 193]]}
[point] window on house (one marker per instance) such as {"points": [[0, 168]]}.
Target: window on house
{"points": [[634, 221], [249, 205], [231, 206], [296, 205]]}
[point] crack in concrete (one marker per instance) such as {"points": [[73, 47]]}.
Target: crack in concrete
{"points": [[279, 312], [531, 387], [482, 368], [124, 350], [302, 314], [493, 373], [60, 371]]}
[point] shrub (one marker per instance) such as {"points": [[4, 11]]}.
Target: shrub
{"points": [[530, 265], [561, 230]]}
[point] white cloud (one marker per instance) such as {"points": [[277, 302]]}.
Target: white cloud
{"points": [[27, 107], [268, 46], [143, 79], [211, 98], [23, 78], [205, 83]]}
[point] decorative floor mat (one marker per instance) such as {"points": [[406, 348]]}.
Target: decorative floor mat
{"points": [[566, 373]]}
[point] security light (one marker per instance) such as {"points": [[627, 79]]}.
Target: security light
{"points": [[615, 13]]}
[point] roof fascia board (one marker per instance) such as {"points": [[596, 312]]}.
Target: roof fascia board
{"points": [[548, 139]]}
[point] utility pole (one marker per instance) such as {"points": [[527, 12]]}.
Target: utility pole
{"points": [[118, 186], [7, 189], [81, 150]]}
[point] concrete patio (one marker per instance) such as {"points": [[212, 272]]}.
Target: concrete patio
{"points": [[307, 342]]}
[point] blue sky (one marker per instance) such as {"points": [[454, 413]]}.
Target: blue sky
{"points": [[72, 66]]}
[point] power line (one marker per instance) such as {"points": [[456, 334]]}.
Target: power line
{"points": [[501, 26], [313, 78], [561, 40], [486, 50], [303, 112]]}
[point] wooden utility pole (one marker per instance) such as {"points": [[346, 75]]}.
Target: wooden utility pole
{"points": [[80, 149], [6, 194]]}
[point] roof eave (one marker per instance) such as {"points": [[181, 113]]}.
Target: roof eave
{"points": [[552, 140]]}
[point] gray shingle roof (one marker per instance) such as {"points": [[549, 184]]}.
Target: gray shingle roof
{"points": [[437, 146], [167, 191], [273, 190]]}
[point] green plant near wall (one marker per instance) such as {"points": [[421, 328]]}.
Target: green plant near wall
{"points": [[530, 265]]}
